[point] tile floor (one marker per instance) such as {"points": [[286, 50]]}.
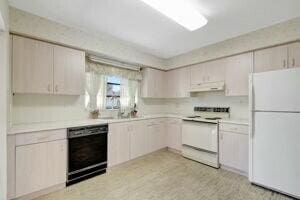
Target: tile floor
{"points": [[164, 176]]}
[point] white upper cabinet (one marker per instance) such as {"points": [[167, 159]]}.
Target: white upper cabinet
{"points": [[32, 66], [43, 68], [153, 83], [197, 75], [271, 59], [69, 70], [178, 83], [237, 73], [214, 71], [209, 72], [294, 54]]}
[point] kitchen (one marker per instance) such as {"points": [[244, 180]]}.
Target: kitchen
{"points": [[93, 109]]}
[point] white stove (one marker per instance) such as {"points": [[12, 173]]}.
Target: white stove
{"points": [[200, 135]]}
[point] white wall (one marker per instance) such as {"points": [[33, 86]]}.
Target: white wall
{"points": [[4, 87], [44, 108], [277, 34]]}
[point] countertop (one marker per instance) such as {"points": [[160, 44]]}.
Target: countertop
{"points": [[42, 126], [235, 121]]}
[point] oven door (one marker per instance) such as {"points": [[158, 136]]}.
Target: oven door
{"points": [[87, 152], [200, 135]]}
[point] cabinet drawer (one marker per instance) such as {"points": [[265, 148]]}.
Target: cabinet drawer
{"points": [[236, 128], [41, 136]]}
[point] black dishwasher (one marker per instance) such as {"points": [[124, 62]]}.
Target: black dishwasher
{"points": [[87, 152]]}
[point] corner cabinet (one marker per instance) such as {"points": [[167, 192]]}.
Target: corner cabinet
{"points": [[178, 83], [153, 83], [43, 68]]}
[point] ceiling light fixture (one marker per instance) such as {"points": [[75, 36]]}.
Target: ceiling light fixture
{"points": [[181, 11]]}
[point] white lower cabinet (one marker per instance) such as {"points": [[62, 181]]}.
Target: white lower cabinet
{"points": [[40, 166], [138, 139], [173, 130], [118, 143], [234, 147], [129, 140], [156, 134]]}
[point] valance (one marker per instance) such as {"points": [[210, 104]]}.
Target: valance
{"points": [[105, 69]]}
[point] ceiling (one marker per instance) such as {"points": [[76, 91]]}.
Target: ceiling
{"points": [[144, 28]]}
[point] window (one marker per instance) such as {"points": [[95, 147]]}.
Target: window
{"points": [[113, 92]]}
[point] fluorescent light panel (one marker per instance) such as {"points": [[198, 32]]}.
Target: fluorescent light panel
{"points": [[181, 11]]}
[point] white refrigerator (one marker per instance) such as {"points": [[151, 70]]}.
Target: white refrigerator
{"points": [[275, 130]]}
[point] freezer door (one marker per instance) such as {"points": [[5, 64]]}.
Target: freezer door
{"points": [[277, 90], [275, 161]]}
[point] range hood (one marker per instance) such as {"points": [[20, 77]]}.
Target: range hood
{"points": [[205, 87]]}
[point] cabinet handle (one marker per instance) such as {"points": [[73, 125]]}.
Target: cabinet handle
{"points": [[56, 88], [284, 63], [293, 62]]}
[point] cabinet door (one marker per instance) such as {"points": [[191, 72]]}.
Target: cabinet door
{"points": [[183, 83], [174, 134], [32, 66], [138, 139], [153, 85], [69, 71], [197, 75], [171, 84], [156, 135], [118, 143], [159, 84], [243, 152], [241, 65], [294, 54], [228, 149], [39, 166], [271, 59], [214, 71]]}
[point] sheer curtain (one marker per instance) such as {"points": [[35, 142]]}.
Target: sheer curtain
{"points": [[96, 86], [129, 92], [95, 89]]}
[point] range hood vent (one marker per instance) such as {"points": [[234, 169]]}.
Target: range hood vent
{"points": [[205, 87]]}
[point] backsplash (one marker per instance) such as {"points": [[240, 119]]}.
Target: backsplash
{"points": [[44, 108], [238, 105]]}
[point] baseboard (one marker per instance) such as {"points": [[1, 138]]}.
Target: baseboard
{"points": [[174, 150], [234, 170], [41, 192]]}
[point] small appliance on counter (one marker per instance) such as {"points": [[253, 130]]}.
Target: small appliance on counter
{"points": [[200, 134], [87, 152]]}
